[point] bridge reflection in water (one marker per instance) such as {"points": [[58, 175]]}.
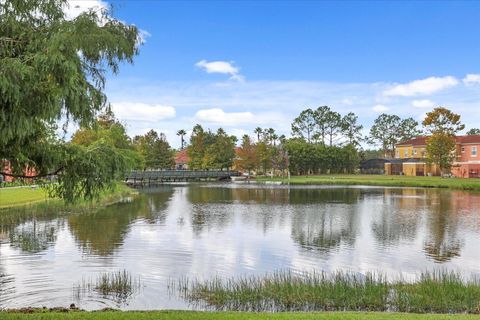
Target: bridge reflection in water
{"points": [[160, 176]]}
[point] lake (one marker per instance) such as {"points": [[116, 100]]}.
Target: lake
{"points": [[207, 230]]}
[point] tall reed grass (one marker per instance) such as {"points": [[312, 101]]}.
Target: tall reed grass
{"points": [[434, 292], [118, 284]]}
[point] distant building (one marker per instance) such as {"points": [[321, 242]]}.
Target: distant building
{"points": [[467, 164], [7, 168], [181, 160], [373, 166], [411, 158]]}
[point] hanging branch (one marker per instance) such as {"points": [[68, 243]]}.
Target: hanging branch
{"points": [[30, 177]]}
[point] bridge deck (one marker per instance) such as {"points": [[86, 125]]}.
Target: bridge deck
{"points": [[159, 176]]}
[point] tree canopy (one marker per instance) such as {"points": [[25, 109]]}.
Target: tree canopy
{"points": [[208, 150], [388, 130], [52, 68], [443, 125], [155, 150], [473, 131]]}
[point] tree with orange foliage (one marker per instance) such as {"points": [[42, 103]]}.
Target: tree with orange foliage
{"points": [[246, 155], [443, 125]]}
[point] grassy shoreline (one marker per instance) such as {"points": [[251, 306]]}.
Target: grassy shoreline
{"points": [[16, 197], [197, 315], [379, 180]]}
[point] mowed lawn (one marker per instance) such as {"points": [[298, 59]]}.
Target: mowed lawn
{"points": [[10, 197], [382, 180], [185, 315]]}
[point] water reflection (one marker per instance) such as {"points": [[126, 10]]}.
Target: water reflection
{"points": [[444, 242], [34, 236], [398, 216], [103, 231], [228, 229]]}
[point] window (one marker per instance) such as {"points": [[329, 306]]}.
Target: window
{"points": [[463, 149], [397, 154], [414, 152], [406, 152], [474, 151]]}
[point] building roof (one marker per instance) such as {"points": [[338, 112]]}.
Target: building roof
{"points": [[182, 157], [418, 141], [422, 141], [474, 138]]}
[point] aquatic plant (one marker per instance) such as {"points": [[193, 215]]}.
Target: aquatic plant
{"points": [[439, 292], [117, 284]]}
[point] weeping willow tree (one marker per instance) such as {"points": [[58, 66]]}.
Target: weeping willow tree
{"points": [[53, 68]]}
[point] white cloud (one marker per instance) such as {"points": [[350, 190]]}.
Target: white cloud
{"points": [[380, 108], [424, 103], [143, 35], [222, 67], [422, 87], [471, 79], [219, 117], [136, 111]]}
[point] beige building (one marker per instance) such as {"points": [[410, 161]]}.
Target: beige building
{"points": [[410, 158]]}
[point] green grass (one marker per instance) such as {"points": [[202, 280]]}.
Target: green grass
{"points": [[437, 292], [16, 196], [118, 284], [381, 180], [187, 315]]}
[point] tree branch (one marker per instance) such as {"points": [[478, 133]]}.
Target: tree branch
{"points": [[31, 177]]}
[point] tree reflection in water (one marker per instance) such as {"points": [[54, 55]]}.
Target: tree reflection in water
{"points": [[35, 236], [321, 219], [443, 241], [399, 215], [103, 231], [327, 218]]}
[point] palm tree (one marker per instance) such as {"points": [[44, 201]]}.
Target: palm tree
{"points": [[258, 131], [270, 133], [274, 138], [182, 133]]}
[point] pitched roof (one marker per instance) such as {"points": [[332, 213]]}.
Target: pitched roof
{"points": [[182, 157], [422, 141], [418, 141], [474, 138]]}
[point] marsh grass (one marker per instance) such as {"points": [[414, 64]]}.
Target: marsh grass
{"points": [[118, 285], [436, 292]]}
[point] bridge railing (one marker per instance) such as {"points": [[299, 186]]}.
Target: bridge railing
{"points": [[179, 174]]}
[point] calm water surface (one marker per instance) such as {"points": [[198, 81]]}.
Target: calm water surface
{"points": [[231, 230]]}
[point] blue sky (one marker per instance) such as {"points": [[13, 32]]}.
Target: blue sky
{"points": [[245, 64]]}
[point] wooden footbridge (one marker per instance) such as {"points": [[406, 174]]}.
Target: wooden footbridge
{"points": [[161, 176]]}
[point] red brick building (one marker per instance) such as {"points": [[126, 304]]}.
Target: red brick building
{"points": [[6, 167], [466, 164]]}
